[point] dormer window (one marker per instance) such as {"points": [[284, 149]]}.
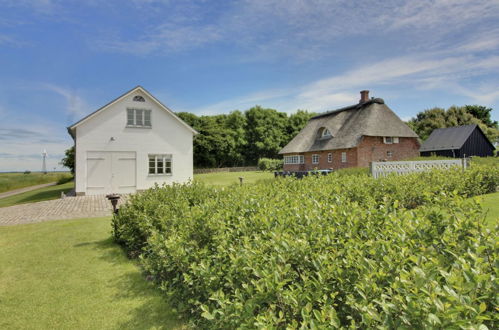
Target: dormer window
{"points": [[138, 98], [323, 133]]}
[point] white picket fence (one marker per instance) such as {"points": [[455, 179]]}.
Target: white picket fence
{"points": [[379, 169]]}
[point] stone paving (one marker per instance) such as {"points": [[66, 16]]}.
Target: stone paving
{"points": [[64, 208]]}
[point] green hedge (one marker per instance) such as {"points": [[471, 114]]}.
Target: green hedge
{"points": [[269, 164], [329, 251]]}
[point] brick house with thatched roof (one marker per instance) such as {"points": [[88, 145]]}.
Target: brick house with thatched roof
{"points": [[352, 136]]}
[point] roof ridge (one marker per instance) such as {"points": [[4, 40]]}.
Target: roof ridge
{"points": [[350, 107]]}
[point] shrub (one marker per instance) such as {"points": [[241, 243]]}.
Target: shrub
{"points": [[64, 178], [269, 164], [322, 252]]}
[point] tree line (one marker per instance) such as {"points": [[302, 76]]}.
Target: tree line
{"points": [[428, 120], [241, 138]]}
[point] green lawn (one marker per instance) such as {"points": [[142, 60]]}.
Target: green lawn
{"points": [[37, 195], [11, 181], [54, 192], [70, 275], [491, 204], [228, 178]]}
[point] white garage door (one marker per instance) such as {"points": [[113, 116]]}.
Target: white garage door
{"points": [[111, 172]]}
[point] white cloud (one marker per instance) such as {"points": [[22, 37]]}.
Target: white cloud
{"points": [[297, 28], [76, 105], [23, 138], [424, 71], [23, 143]]}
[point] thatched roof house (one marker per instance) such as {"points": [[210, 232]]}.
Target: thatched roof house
{"points": [[357, 134]]}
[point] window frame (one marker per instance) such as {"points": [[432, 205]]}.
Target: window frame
{"points": [[315, 159], [390, 139], [294, 159], [344, 157], [144, 113], [330, 157], [165, 158], [324, 131], [389, 154]]}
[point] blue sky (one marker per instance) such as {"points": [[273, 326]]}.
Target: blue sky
{"points": [[60, 60]]}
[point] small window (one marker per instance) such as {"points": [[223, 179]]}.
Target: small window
{"points": [[343, 157], [315, 159], [395, 140], [326, 133], [160, 164], [138, 118], [389, 154], [387, 140], [329, 157], [138, 98], [295, 159]]}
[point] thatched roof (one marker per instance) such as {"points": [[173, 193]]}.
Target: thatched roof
{"points": [[347, 126]]}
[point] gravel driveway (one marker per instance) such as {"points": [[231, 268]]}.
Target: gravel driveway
{"points": [[66, 208]]}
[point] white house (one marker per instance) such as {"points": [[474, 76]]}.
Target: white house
{"points": [[130, 144]]}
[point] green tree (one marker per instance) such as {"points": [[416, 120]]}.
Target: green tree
{"points": [[428, 120], [483, 114], [265, 133], [296, 122], [69, 159]]}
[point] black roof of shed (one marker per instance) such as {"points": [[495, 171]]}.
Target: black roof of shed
{"points": [[448, 138]]}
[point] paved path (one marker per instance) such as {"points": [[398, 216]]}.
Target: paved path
{"points": [[66, 208], [25, 189]]}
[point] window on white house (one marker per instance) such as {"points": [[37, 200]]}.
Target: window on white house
{"points": [[138, 98], [295, 159], [343, 157], [315, 159], [138, 118], [160, 164], [329, 157], [389, 154]]}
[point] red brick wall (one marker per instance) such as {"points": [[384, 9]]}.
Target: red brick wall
{"points": [[323, 163], [372, 149], [369, 149]]}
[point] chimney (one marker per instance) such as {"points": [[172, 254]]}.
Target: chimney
{"points": [[364, 96]]}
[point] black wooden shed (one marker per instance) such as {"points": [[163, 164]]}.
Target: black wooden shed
{"points": [[457, 142]]}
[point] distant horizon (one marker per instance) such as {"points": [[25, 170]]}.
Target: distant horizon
{"points": [[62, 60]]}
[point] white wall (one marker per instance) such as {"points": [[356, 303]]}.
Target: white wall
{"points": [[167, 136]]}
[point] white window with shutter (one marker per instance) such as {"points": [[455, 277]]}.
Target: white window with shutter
{"points": [[138, 118]]}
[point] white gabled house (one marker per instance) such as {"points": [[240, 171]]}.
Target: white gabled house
{"points": [[130, 144]]}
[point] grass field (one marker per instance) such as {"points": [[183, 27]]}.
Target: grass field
{"points": [[491, 204], [54, 192], [38, 195], [11, 181], [228, 178], [71, 275]]}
